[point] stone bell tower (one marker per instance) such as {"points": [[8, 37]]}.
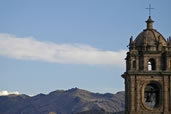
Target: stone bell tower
{"points": [[148, 73]]}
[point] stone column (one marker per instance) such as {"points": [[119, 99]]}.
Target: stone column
{"points": [[166, 108], [170, 93], [138, 95], [137, 63], [132, 92]]}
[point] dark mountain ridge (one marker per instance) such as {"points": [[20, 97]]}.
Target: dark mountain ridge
{"points": [[71, 101]]}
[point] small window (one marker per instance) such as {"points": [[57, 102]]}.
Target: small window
{"points": [[134, 64], [151, 65]]}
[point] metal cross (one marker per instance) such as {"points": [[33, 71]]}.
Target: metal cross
{"points": [[150, 8]]}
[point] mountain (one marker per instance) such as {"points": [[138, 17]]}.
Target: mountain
{"points": [[73, 101], [96, 111]]}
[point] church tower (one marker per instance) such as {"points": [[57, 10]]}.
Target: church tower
{"points": [[148, 73]]}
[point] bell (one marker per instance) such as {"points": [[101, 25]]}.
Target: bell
{"points": [[148, 98]]}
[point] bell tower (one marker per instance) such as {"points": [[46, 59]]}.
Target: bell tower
{"points": [[148, 73]]}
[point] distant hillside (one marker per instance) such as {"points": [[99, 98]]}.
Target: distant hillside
{"points": [[96, 111], [62, 102]]}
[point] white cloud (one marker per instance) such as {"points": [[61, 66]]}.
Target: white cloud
{"points": [[28, 48], [5, 93]]}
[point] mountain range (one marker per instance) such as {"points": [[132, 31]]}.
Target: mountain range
{"points": [[72, 101]]}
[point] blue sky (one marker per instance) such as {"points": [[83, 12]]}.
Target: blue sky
{"points": [[47, 45]]}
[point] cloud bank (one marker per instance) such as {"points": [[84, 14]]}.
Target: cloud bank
{"points": [[28, 48], [5, 93]]}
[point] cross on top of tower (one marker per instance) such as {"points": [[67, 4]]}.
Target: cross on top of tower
{"points": [[150, 8]]}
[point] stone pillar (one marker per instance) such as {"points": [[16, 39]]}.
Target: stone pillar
{"points": [[165, 94], [170, 93], [167, 63], [132, 92], [137, 63], [126, 94], [158, 64], [138, 95], [145, 64]]}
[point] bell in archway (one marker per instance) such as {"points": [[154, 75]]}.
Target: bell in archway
{"points": [[148, 98]]}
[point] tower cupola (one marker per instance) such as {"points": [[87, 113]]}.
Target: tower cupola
{"points": [[149, 23]]}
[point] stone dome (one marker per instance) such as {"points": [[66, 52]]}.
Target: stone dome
{"points": [[150, 36]]}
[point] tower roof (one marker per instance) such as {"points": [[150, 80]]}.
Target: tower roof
{"points": [[150, 36]]}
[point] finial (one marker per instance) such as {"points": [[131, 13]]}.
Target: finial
{"points": [[131, 44], [131, 39]]}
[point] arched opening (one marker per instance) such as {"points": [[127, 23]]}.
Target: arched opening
{"points": [[134, 64], [152, 95], [151, 65]]}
